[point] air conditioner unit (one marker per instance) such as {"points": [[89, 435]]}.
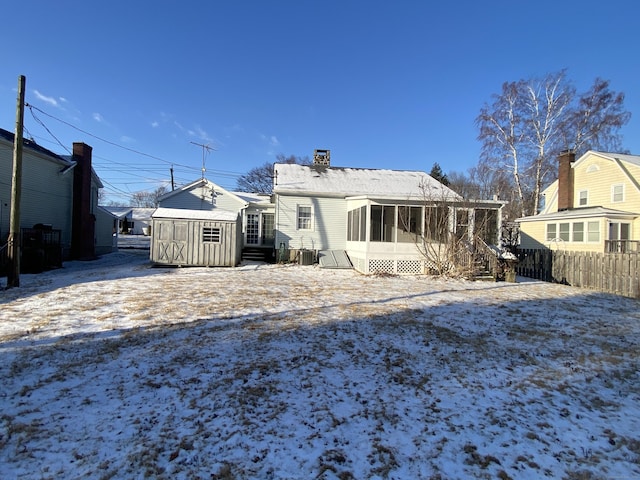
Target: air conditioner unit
{"points": [[306, 257]]}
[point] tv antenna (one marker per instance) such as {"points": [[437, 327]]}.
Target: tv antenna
{"points": [[205, 149]]}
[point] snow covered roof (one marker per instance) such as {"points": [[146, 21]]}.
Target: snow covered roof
{"points": [[347, 182], [118, 211], [588, 212], [253, 197], [183, 213]]}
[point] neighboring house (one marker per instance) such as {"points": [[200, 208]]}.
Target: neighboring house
{"points": [[375, 216], [132, 220], [593, 206], [59, 196], [254, 213]]}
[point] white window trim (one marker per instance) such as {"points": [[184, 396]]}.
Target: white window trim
{"points": [[586, 198], [613, 189], [585, 232], [311, 222], [212, 236]]}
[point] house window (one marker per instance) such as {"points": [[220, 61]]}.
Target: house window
{"points": [[578, 232], [211, 234], [551, 232], [617, 193], [593, 231], [564, 231], [304, 217], [583, 198]]}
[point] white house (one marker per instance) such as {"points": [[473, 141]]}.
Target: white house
{"points": [[376, 216]]}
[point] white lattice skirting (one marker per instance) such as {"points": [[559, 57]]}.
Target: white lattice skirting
{"points": [[396, 267]]}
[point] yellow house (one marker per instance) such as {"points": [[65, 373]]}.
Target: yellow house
{"points": [[593, 206]]}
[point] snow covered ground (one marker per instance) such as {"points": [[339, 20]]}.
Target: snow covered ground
{"points": [[113, 369]]}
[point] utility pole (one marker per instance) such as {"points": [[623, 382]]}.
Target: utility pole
{"points": [[13, 275], [206, 148], [173, 184]]}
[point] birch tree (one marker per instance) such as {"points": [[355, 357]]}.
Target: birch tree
{"points": [[526, 126]]}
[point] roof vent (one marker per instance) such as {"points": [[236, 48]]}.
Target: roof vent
{"points": [[322, 157]]}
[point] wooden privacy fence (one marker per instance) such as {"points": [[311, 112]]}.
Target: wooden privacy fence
{"points": [[616, 273]]}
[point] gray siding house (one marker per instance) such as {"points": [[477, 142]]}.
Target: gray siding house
{"points": [[59, 194]]}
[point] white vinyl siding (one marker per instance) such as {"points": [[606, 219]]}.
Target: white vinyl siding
{"points": [[207, 197], [329, 223]]}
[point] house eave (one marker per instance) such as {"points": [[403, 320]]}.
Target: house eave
{"points": [[577, 213]]}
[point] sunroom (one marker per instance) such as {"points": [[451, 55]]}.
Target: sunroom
{"points": [[412, 237]]}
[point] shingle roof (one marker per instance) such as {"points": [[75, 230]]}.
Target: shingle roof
{"points": [[347, 182]]}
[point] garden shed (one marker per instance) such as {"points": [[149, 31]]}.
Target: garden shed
{"points": [[206, 238]]}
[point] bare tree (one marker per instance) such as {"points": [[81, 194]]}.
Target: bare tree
{"points": [[596, 119], [148, 199], [531, 121], [260, 179]]}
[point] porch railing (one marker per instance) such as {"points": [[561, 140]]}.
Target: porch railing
{"points": [[621, 246]]}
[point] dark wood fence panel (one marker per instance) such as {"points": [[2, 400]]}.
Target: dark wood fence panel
{"points": [[616, 273]]}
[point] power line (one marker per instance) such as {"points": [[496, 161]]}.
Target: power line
{"points": [[206, 149], [32, 107]]}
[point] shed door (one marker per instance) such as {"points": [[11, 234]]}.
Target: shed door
{"points": [[172, 242]]}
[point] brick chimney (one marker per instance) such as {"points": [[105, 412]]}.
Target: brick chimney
{"points": [[83, 222], [565, 179]]}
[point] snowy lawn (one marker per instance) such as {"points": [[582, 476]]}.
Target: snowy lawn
{"points": [[113, 369]]}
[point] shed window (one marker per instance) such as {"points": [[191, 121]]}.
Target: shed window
{"points": [[304, 217], [211, 234]]}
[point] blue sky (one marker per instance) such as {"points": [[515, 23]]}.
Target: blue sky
{"points": [[381, 84]]}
